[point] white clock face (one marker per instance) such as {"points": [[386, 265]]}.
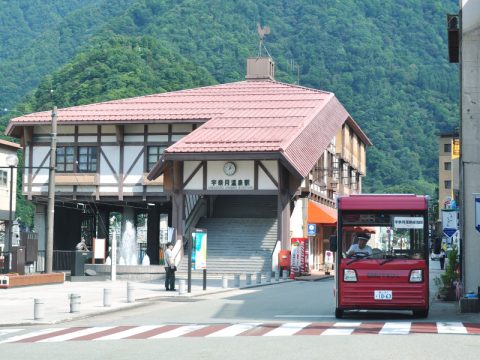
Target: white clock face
{"points": [[229, 168]]}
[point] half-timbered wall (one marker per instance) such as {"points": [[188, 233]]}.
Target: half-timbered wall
{"points": [[208, 177], [122, 161]]}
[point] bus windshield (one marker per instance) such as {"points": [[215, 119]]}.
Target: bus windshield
{"points": [[387, 236]]}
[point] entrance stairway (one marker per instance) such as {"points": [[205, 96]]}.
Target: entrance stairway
{"points": [[237, 245]]}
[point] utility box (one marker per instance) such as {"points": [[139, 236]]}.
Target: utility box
{"points": [[17, 260], [79, 260], [30, 241]]}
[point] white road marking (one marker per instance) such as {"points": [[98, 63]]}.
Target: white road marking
{"points": [[451, 328], [32, 334], [234, 330], [287, 329], [395, 328], [347, 324], [130, 332], [338, 332], [77, 334], [9, 331], [178, 331]]}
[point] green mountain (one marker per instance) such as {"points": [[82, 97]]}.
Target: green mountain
{"points": [[114, 68], [385, 60]]}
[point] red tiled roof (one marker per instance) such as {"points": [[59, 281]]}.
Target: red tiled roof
{"points": [[247, 116], [9, 145]]}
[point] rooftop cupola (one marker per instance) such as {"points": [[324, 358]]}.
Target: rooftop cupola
{"points": [[260, 68]]}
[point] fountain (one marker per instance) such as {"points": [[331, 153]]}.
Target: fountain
{"points": [[128, 247]]}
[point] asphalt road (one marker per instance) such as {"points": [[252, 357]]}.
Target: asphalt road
{"points": [[282, 306]]}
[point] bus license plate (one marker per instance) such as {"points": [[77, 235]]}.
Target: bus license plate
{"points": [[383, 295]]}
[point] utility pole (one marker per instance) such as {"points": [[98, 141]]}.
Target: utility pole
{"points": [[51, 195]]}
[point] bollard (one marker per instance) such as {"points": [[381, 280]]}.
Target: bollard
{"points": [[269, 277], [225, 281], [181, 287], [284, 275], [236, 280], [130, 294], [248, 279], [107, 297], [277, 275], [38, 308], [259, 278], [75, 303]]}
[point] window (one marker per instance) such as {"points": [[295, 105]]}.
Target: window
{"points": [[65, 158], [87, 159], [448, 184], [3, 178], [154, 153], [447, 148], [447, 165]]}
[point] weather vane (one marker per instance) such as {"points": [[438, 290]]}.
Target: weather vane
{"points": [[261, 34]]}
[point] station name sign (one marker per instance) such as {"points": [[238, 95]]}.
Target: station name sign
{"points": [[407, 222], [230, 184]]}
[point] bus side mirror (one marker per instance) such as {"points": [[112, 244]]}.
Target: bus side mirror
{"points": [[333, 242]]}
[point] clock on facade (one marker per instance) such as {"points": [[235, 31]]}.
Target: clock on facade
{"points": [[229, 168]]}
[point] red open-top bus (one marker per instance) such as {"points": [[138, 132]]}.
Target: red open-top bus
{"points": [[394, 273]]}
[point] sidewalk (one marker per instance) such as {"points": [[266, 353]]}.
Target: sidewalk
{"points": [[17, 304]]}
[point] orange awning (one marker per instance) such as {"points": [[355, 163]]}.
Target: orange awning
{"points": [[321, 214]]}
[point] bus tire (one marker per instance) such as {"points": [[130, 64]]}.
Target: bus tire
{"points": [[420, 313], [338, 313]]}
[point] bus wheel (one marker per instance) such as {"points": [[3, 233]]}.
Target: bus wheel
{"points": [[338, 313], [420, 313]]}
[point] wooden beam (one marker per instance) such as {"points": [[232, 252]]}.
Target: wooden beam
{"points": [[119, 131]]}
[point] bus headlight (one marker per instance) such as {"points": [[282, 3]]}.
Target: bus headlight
{"points": [[416, 276], [349, 275]]}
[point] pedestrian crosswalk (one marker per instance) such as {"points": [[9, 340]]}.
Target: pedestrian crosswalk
{"points": [[166, 331]]}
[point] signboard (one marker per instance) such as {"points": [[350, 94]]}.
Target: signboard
{"points": [[407, 222], [298, 261], [477, 212], [449, 222], [328, 257], [99, 248], [312, 230], [199, 249], [230, 184]]}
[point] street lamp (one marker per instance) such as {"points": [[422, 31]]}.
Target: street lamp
{"points": [[12, 162]]}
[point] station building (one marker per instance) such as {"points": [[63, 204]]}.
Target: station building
{"points": [[253, 162]]}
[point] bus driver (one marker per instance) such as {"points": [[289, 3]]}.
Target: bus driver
{"points": [[361, 245]]}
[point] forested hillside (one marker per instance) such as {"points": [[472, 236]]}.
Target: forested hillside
{"points": [[114, 68], [386, 60]]}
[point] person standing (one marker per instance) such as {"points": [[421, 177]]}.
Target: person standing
{"points": [[441, 258], [169, 268]]}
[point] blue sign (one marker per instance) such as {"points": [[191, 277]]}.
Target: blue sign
{"points": [[449, 232], [477, 212], [312, 230]]}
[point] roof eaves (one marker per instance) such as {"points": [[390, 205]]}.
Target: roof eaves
{"points": [[288, 163], [353, 124]]}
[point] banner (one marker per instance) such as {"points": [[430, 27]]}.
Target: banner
{"points": [[199, 249], [449, 222], [298, 261]]}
